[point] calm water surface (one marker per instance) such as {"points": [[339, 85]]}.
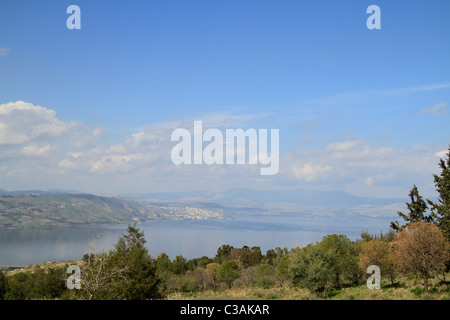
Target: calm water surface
{"points": [[191, 239]]}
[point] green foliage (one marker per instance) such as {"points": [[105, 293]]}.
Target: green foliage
{"points": [[203, 261], [313, 267], [251, 257], [343, 255], [54, 284], [265, 275], [223, 252], [3, 284], [283, 267], [227, 272], [163, 264], [18, 286], [179, 265], [418, 291], [138, 280], [441, 208], [417, 208], [71, 210]]}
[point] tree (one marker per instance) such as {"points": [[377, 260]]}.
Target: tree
{"points": [[53, 284], [345, 257], [179, 265], [312, 267], [366, 236], [376, 252], [211, 274], [265, 275], [227, 272], [441, 208], [254, 256], [283, 267], [223, 253], [139, 280], [163, 264], [421, 249], [270, 257], [18, 286], [203, 261], [417, 208], [101, 275]]}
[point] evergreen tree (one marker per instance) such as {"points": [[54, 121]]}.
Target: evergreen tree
{"points": [[441, 208], [139, 281], [417, 208]]}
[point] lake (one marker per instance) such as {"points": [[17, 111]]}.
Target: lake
{"points": [[189, 238]]}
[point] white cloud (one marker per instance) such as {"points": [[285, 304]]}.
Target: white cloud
{"points": [[33, 150], [4, 52], [38, 148], [361, 168], [21, 122], [309, 171], [437, 109], [441, 154], [344, 145], [67, 164]]}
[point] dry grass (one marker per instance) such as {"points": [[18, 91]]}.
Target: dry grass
{"points": [[45, 266], [247, 293], [403, 289]]}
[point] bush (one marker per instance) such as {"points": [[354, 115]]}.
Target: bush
{"points": [[265, 275], [418, 291], [227, 272], [312, 267]]}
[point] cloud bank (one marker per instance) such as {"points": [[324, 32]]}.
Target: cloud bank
{"points": [[38, 150]]}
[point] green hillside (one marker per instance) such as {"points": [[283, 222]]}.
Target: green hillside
{"points": [[65, 210]]}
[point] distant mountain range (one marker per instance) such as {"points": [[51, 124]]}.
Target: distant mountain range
{"points": [[262, 199], [54, 191]]}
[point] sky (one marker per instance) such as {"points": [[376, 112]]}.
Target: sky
{"points": [[359, 110]]}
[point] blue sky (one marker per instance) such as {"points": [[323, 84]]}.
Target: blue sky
{"points": [[309, 68]]}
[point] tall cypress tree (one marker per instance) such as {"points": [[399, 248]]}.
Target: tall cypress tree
{"points": [[441, 208], [417, 208]]}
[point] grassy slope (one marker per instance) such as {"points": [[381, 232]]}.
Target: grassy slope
{"points": [[62, 210], [403, 289]]}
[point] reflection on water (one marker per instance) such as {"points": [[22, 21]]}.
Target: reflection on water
{"points": [[191, 239]]}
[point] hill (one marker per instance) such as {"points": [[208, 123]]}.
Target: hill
{"points": [[35, 210]]}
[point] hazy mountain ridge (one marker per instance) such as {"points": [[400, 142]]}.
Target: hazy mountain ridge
{"points": [[46, 210], [305, 202], [65, 208]]}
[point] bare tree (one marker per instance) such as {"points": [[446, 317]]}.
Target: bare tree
{"points": [[98, 275]]}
